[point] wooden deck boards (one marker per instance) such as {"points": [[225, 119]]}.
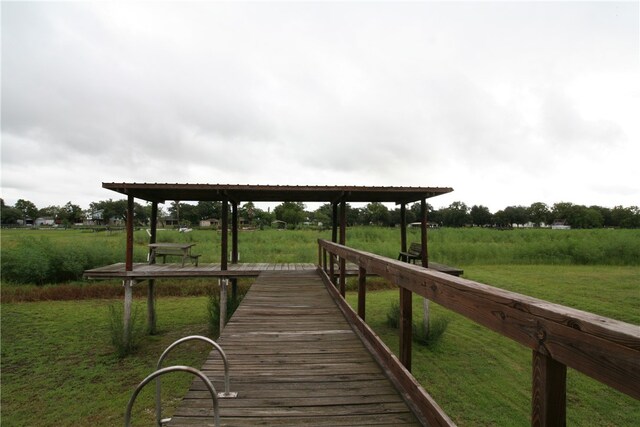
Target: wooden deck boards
{"points": [[294, 361], [158, 271]]}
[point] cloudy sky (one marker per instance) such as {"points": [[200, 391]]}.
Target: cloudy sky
{"points": [[507, 102]]}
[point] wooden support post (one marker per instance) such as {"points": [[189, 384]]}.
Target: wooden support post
{"points": [[128, 300], [224, 238], [343, 240], [403, 227], [426, 315], [334, 239], [234, 232], [151, 289], [334, 222], [362, 292], [423, 232], [548, 391], [234, 246], [223, 303], [129, 249], [405, 328]]}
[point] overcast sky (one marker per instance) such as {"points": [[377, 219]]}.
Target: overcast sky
{"points": [[507, 102]]}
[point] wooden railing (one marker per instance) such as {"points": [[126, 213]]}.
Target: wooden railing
{"points": [[604, 349]]}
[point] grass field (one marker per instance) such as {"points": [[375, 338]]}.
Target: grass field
{"points": [[58, 367], [483, 379]]}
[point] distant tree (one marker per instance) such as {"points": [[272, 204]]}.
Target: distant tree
{"points": [[28, 209], [517, 214], [49, 211], [562, 211], [9, 214], [323, 214], [607, 220], [355, 216], [263, 218], [626, 217], [501, 219], [456, 215], [584, 217], [111, 209], [186, 213], [70, 213], [416, 211], [292, 213], [209, 209], [376, 214], [538, 214], [480, 215]]}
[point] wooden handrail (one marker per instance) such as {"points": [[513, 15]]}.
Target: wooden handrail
{"points": [[605, 349]]}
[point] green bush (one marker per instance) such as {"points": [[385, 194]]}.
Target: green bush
{"points": [[213, 307], [421, 335], [124, 343]]}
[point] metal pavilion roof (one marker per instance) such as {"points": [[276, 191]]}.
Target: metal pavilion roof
{"points": [[160, 192]]}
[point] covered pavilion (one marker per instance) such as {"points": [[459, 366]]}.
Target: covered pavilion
{"points": [[338, 196]]}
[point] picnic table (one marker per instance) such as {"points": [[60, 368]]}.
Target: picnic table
{"points": [[172, 249]]}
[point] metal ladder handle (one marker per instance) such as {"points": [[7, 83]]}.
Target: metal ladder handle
{"points": [[194, 371], [227, 392]]}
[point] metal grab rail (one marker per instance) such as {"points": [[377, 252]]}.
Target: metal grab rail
{"points": [[226, 394], [194, 371]]}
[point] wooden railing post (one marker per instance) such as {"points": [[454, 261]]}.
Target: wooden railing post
{"points": [[362, 292], [548, 391], [332, 274], [324, 259], [405, 328], [343, 239]]}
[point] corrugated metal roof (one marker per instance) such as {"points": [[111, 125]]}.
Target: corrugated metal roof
{"points": [[160, 192]]}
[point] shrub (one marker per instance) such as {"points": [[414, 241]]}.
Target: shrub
{"points": [[124, 343], [393, 315], [430, 337], [213, 307], [421, 335]]}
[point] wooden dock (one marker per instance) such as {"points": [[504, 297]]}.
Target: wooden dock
{"points": [[143, 271], [294, 360]]}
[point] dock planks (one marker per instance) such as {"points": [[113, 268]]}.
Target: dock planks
{"points": [[294, 361], [143, 271]]}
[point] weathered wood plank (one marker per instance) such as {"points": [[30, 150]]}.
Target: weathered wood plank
{"points": [[294, 360]]}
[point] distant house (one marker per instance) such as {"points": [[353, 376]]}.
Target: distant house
{"points": [[210, 222], [94, 217], [46, 221], [169, 221], [419, 224], [560, 224]]}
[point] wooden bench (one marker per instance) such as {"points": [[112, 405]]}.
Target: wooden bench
{"points": [[164, 253], [167, 249], [415, 253]]}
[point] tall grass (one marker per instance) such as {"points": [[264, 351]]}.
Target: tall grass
{"points": [[53, 257]]}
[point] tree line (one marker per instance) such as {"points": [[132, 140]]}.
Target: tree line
{"points": [[295, 214]]}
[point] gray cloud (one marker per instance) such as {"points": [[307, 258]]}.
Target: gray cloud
{"points": [[499, 100]]}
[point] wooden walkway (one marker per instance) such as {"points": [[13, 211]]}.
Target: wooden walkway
{"points": [[158, 271], [294, 360]]}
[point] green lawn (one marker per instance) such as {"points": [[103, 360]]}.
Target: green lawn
{"points": [[58, 368], [482, 378]]}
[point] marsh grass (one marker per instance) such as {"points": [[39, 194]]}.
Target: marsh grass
{"points": [[213, 306], [124, 341], [38, 257]]}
